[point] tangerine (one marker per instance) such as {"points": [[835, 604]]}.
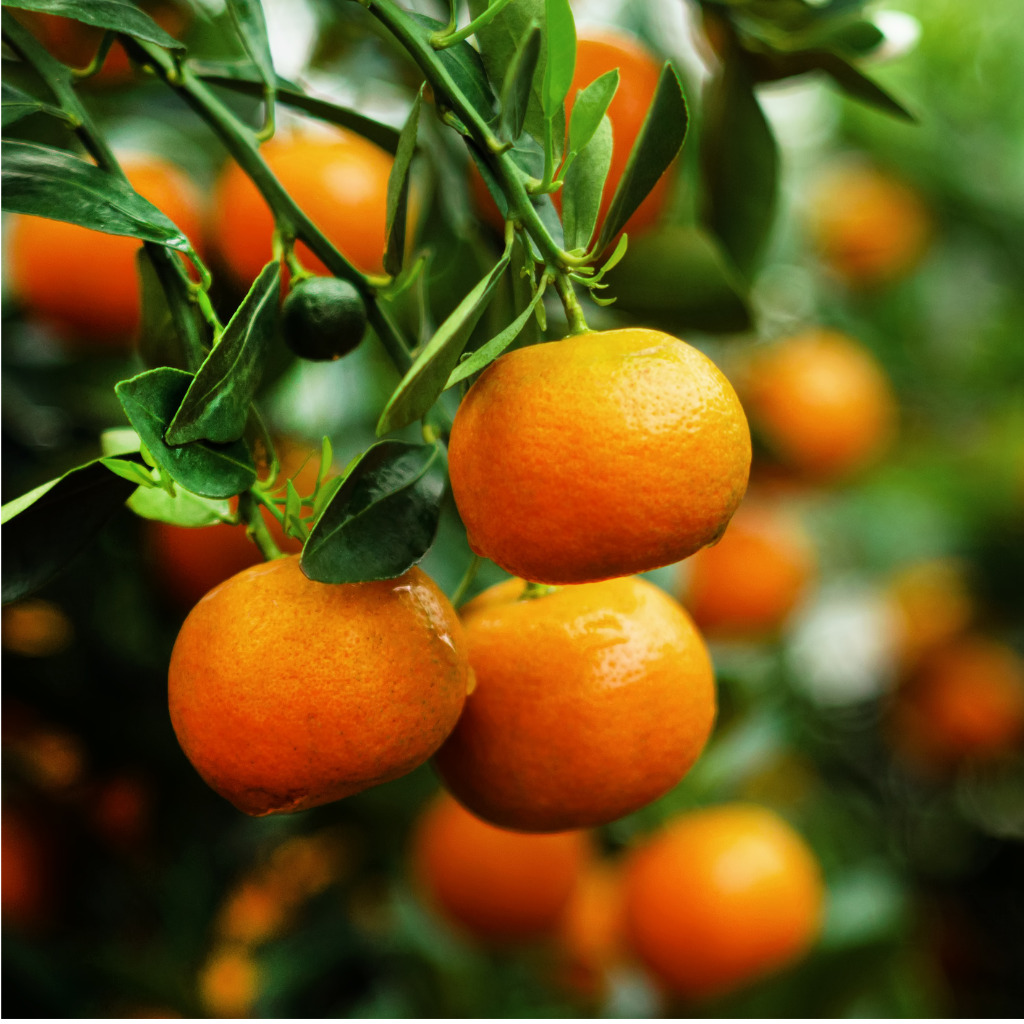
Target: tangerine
{"points": [[749, 582], [499, 886], [339, 180], [721, 897], [590, 702], [84, 283], [821, 402], [869, 227], [965, 700], [601, 455], [285, 693]]}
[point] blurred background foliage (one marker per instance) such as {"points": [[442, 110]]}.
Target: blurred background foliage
{"points": [[131, 889]]}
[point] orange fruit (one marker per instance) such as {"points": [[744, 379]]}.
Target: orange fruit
{"points": [[821, 402], [965, 700], [721, 897], [600, 455], [598, 52], [285, 693], [229, 982], [76, 43], [749, 582], [590, 702], [497, 886], [589, 936], [869, 227], [84, 283], [339, 180], [26, 893], [36, 628]]}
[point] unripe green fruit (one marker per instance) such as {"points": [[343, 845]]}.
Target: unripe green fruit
{"points": [[323, 318]]}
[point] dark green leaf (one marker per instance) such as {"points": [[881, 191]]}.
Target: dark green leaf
{"points": [[44, 529], [660, 139], [382, 518], [398, 190], [584, 184], [739, 159], [159, 342], [589, 109], [244, 78], [490, 350], [856, 84], [561, 56], [115, 15], [499, 41], [251, 27], [17, 104], [518, 83], [216, 405], [54, 183], [150, 401], [180, 509], [428, 375]]}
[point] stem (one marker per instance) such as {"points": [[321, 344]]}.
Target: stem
{"points": [[573, 309], [534, 590], [97, 61], [256, 527], [169, 269], [441, 40], [467, 580]]}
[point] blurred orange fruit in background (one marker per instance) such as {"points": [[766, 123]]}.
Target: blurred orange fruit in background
{"points": [[721, 897], [601, 455], [590, 702], [498, 886]]}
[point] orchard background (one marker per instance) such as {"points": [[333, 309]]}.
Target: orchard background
{"points": [[849, 171]]}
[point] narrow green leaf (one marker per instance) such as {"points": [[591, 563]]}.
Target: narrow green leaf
{"points": [[216, 405], [16, 104], [326, 461], [115, 15], [382, 518], [518, 84], [53, 183], [251, 26], [660, 139], [490, 350], [584, 185], [857, 85], [589, 110], [293, 512], [428, 375], [183, 508], [150, 401], [159, 343], [561, 56], [739, 168], [132, 471], [398, 190], [44, 529]]}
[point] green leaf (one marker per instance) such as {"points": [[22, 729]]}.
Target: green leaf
{"points": [[244, 78], [739, 168], [53, 183], [17, 104], [428, 376], [159, 343], [115, 15], [490, 350], [589, 110], [857, 85], [216, 405], [180, 509], [499, 41], [293, 512], [251, 27], [518, 84], [132, 471], [583, 187], [120, 441], [44, 529], [660, 139], [398, 190], [382, 518], [561, 56], [150, 401]]}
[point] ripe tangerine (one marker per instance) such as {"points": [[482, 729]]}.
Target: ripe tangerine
{"points": [[590, 702], [286, 694], [601, 455], [499, 886], [721, 897]]}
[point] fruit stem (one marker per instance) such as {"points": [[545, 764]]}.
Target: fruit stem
{"points": [[571, 304], [534, 590], [446, 38], [256, 527], [467, 579]]}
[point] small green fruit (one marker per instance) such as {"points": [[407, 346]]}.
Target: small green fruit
{"points": [[323, 318]]}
